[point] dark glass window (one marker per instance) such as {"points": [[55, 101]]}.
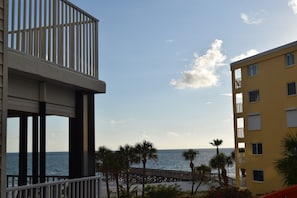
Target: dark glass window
{"points": [[257, 148], [291, 88], [254, 96], [258, 175], [290, 59], [252, 70]]}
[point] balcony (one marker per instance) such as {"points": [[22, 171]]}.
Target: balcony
{"points": [[50, 66], [75, 188], [238, 83], [240, 132], [57, 36], [239, 108]]}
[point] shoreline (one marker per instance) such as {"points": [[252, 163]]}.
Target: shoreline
{"points": [[184, 186]]}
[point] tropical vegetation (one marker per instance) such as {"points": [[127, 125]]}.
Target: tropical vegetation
{"points": [[117, 165], [190, 155], [221, 161], [287, 165], [216, 143], [145, 151]]}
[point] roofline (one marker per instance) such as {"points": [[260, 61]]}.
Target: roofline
{"points": [[264, 53]]}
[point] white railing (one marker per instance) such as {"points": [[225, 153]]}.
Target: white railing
{"points": [[241, 157], [240, 132], [243, 182], [56, 31], [88, 187], [239, 108], [238, 83]]}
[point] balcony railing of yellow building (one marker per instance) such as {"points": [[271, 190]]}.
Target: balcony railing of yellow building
{"points": [[240, 132], [56, 31], [237, 83], [239, 108]]}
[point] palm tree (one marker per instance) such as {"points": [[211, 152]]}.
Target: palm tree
{"points": [[287, 165], [191, 155], [145, 151], [221, 161], [116, 165], [103, 157], [216, 143], [202, 170], [129, 157]]}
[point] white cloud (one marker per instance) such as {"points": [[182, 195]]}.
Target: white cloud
{"points": [[173, 134], [203, 69], [293, 4], [115, 122], [227, 94], [249, 53], [169, 41], [251, 20], [208, 103]]}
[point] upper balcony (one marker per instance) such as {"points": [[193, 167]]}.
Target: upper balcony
{"points": [[54, 39]]}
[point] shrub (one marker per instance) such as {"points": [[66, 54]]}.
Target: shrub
{"points": [[230, 192], [163, 191]]}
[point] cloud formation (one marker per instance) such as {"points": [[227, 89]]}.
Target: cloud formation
{"points": [[249, 53], [203, 69], [293, 4], [251, 20], [174, 134]]}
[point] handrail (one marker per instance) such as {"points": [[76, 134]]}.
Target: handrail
{"points": [[75, 188], [56, 31], [12, 180]]}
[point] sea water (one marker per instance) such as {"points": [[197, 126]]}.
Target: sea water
{"points": [[57, 162]]}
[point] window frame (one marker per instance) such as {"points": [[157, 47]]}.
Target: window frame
{"points": [[258, 148], [258, 175], [252, 70], [290, 59], [254, 122], [290, 89], [291, 117], [257, 98]]}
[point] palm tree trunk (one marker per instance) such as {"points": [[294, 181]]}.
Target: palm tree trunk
{"points": [[219, 172], [200, 182], [107, 185], [193, 179], [127, 182], [143, 179], [117, 184]]}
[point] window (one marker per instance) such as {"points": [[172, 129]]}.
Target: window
{"points": [[291, 88], [290, 59], [258, 175], [254, 96], [254, 122], [257, 148], [252, 70], [291, 118]]}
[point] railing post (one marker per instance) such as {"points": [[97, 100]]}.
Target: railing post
{"points": [[96, 53]]}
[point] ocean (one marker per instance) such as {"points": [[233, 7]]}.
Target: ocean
{"points": [[57, 162]]}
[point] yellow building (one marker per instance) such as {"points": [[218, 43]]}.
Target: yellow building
{"points": [[265, 110]]}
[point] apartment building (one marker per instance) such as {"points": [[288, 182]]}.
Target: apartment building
{"points": [[265, 111]]}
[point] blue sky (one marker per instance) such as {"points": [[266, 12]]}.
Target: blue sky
{"points": [[167, 67]]}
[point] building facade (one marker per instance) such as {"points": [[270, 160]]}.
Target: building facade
{"points": [[265, 111]]}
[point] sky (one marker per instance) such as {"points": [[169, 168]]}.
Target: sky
{"points": [[166, 64]]}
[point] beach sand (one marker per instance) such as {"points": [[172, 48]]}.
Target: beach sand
{"points": [[184, 185]]}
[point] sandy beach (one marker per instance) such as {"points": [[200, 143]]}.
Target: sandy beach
{"points": [[184, 185]]}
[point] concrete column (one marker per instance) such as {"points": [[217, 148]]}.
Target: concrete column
{"points": [[81, 138], [35, 142], [23, 150], [42, 110]]}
